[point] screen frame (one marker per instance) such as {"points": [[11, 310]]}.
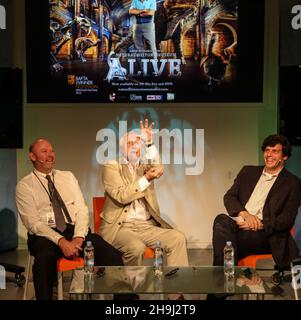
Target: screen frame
{"points": [[38, 76]]}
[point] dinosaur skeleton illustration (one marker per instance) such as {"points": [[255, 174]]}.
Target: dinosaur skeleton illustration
{"points": [[82, 44], [61, 34], [214, 65]]}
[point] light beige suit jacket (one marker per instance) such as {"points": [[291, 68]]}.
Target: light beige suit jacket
{"points": [[120, 190]]}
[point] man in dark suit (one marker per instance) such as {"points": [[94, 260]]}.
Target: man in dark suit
{"points": [[262, 205]]}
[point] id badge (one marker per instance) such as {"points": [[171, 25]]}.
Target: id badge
{"points": [[50, 219]]}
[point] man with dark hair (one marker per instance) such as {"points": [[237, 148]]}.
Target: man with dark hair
{"points": [[274, 139], [262, 205]]}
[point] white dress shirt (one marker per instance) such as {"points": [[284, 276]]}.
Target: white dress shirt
{"points": [[138, 209], [34, 205], [259, 195]]}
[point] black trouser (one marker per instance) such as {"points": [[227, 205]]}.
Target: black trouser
{"points": [[245, 243], [46, 254]]}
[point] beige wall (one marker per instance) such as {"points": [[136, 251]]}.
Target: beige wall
{"points": [[188, 202], [232, 138]]}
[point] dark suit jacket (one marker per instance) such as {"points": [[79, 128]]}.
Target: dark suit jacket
{"points": [[279, 212]]}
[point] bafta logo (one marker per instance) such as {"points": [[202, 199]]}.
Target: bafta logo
{"points": [[71, 79]]}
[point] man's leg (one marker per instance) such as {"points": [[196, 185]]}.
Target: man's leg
{"points": [[46, 254], [133, 238], [128, 242], [172, 241], [138, 37], [149, 35], [252, 242], [224, 229], [139, 44], [245, 242], [105, 254]]}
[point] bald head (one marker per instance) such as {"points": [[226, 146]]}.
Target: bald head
{"points": [[42, 155], [32, 146]]}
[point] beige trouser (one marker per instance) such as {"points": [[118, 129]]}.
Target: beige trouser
{"points": [[134, 237]]}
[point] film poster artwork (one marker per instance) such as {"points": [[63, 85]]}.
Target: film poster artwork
{"points": [[94, 56]]}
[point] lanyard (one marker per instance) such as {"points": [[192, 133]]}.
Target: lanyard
{"points": [[49, 195], [61, 202]]}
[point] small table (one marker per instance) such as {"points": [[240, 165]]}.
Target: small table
{"points": [[186, 280]]}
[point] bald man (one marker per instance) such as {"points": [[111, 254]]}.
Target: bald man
{"points": [[53, 210]]}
